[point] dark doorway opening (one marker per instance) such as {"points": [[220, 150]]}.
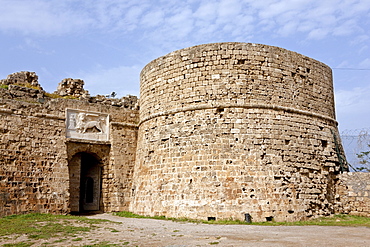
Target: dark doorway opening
{"points": [[90, 183]]}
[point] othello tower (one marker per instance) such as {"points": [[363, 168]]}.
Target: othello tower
{"points": [[234, 128]]}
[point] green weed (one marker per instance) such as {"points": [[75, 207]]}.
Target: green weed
{"points": [[57, 96], [104, 244], [336, 220], [213, 243], [53, 95], [20, 244], [60, 240], [127, 214]]}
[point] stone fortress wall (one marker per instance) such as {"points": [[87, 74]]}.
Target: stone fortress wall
{"points": [[36, 161], [223, 130]]}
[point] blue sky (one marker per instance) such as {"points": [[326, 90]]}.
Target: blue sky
{"points": [[107, 42]]}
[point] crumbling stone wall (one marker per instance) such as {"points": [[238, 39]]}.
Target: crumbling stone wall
{"points": [[73, 88], [354, 193], [23, 78], [234, 128], [36, 155], [128, 101], [22, 93]]}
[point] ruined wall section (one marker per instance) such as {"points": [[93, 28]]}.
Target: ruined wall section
{"points": [[35, 152], [23, 78], [234, 128], [72, 87], [353, 193], [22, 93]]}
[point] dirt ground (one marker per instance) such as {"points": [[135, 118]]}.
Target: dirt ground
{"points": [[149, 232]]}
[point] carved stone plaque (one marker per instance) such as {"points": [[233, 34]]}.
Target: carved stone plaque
{"points": [[87, 125]]}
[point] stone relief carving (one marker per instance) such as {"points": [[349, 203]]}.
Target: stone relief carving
{"points": [[87, 125]]}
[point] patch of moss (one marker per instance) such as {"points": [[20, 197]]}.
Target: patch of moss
{"points": [[69, 97], [53, 95], [57, 96], [28, 85]]}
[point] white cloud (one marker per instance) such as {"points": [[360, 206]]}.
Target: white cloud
{"points": [[318, 33], [305, 26], [343, 64], [346, 28], [365, 64], [353, 98], [314, 19], [31, 44], [206, 11], [176, 20], [153, 18], [229, 8], [280, 8], [40, 17], [288, 29], [352, 107], [360, 39], [363, 49]]}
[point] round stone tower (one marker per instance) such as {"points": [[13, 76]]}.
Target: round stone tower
{"points": [[233, 128]]}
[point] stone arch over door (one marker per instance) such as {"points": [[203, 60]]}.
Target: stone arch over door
{"points": [[86, 165]]}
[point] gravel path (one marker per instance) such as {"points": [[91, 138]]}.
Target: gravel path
{"points": [[149, 232]]}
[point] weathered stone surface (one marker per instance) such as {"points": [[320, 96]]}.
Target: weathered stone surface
{"points": [[232, 128]]}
